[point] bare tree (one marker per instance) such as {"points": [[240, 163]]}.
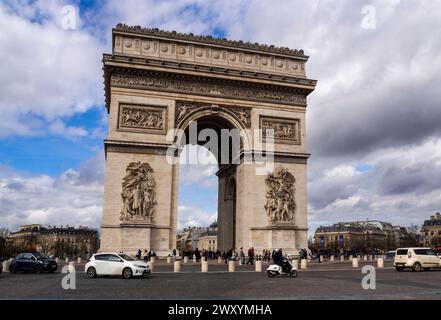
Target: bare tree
{"points": [[4, 233], [46, 243]]}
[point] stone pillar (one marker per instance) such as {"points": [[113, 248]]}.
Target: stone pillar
{"points": [[259, 266], [303, 264], [380, 263], [71, 267], [355, 262], [185, 259], [177, 266], [332, 258], [342, 258], [231, 266], [66, 261], [6, 265], [204, 266]]}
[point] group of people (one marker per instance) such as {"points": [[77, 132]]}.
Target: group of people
{"points": [[148, 254]]}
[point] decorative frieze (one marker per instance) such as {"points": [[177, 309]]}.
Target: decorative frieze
{"points": [[184, 109], [283, 130], [143, 118], [153, 43], [199, 87]]}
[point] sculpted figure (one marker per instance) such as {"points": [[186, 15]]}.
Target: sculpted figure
{"points": [[280, 202]]}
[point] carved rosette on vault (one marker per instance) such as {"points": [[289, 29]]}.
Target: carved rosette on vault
{"points": [[138, 194], [280, 196]]}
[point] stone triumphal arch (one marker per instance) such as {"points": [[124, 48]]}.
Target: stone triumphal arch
{"points": [[157, 81]]}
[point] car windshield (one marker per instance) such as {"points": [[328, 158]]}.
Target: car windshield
{"points": [[126, 257], [40, 256]]}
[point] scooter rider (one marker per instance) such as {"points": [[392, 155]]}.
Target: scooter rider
{"points": [[279, 260]]}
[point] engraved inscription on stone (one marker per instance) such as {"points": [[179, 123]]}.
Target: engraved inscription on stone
{"points": [[283, 130], [142, 118], [280, 195]]}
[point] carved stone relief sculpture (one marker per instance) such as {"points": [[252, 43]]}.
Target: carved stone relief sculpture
{"points": [[280, 196], [283, 130], [142, 117], [138, 193]]}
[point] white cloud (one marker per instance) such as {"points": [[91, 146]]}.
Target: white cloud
{"points": [[47, 72], [189, 216], [75, 197]]}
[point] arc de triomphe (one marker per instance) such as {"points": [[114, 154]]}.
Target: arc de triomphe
{"points": [[156, 81]]}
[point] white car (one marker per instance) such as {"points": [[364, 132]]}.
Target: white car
{"points": [[416, 258], [115, 264]]}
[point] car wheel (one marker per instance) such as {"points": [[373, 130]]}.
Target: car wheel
{"points": [[127, 273], [271, 274], [399, 268], [91, 272], [416, 267], [293, 273], [38, 269]]}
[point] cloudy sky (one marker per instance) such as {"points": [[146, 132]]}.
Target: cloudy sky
{"points": [[374, 122]]}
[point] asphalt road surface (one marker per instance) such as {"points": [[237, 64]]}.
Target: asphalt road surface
{"points": [[320, 281]]}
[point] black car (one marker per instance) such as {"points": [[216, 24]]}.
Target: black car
{"points": [[33, 262]]}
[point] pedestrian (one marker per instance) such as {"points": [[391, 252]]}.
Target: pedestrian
{"points": [[241, 257], [250, 256], [138, 254], [197, 254]]}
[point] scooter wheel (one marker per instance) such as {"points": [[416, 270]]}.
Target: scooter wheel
{"points": [[293, 273], [270, 274]]}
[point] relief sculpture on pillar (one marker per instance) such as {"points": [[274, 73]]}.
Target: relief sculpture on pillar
{"points": [[280, 196], [138, 193]]}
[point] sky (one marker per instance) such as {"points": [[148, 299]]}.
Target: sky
{"points": [[373, 123]]}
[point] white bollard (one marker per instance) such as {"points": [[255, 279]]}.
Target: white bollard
{"points": [[351, 257], [303, 264], [177, 266], [355, 263], [295, 264], [231, 266], [186, 259], [258, 266], [380, 263], [6, 265], [168, 259], [365, 258], [71, 267], [78, 260], [151, 265], [332, 258], [153, 259], [342, 258], [322, 259], [219, 259], [194, 259], [57, 261], [204, 266], [371, 257]]}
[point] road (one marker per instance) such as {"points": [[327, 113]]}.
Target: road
{"points": [[320, 281]]}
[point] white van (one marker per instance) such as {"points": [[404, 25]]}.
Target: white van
{"points": [[416, 258]]}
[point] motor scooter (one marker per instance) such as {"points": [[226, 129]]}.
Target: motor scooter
{"points": [[277, 270]]}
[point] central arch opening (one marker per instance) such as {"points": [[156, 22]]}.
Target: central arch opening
{"points": [[207, 186]]}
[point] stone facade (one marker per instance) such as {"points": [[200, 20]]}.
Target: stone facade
{"points": [[156, 81], [432, 230], [63, 241]]}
